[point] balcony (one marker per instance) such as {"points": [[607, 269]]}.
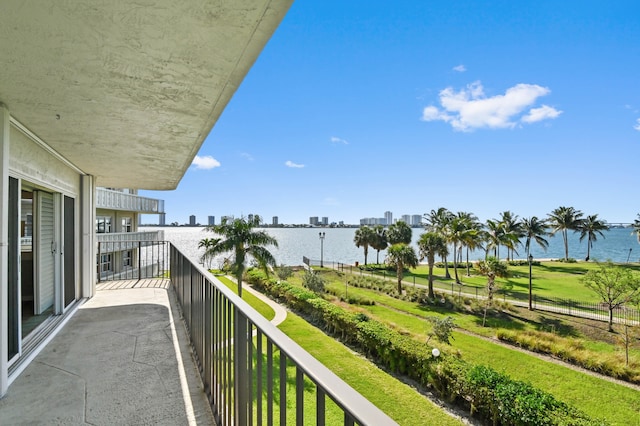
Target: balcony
{"points": [[115, 200], [116, 241], [123, 358]]}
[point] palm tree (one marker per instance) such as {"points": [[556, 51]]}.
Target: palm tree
{"points": [[240, 237], [636, 227], [363, 237], [399, 232], [207, 244], [491, 268], [438, 221], [401, 255], [591, 227], [512, 231], [494, 234], [430, 245], [535, 229], [562, 220], [458, 228], [379, 241]]}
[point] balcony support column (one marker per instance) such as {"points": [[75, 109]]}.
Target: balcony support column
{"points": [[88, 232], [4, 247]]}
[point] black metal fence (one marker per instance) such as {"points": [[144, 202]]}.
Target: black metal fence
{"points": [[592, 310]]}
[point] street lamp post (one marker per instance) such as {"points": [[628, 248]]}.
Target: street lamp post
{"points": [[530, 261], [321, 235]]}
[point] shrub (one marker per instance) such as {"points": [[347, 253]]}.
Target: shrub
{"points": [[284, 272], [313, 282]]}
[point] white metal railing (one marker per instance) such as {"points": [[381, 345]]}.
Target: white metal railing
{"points": [[252, 372], [118, 241], [130, 236], [115, 200]]}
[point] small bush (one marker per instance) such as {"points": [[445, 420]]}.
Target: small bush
{"points": [[313, 282]]}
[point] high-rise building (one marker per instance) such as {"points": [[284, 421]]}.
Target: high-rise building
{"points": [[211, 220], [372, 221], [388, 217], [325, 220], [192, 220], [416, 220], [313, 220], [274, 221], [406, 219]]}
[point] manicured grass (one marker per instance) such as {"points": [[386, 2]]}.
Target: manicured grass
{"points": [[257, 304], [593, 395], [549, 279], [398, 400]]}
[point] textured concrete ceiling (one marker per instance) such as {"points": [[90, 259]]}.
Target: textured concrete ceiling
{"points": [[128, 91]]}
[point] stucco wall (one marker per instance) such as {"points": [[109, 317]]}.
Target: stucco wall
{"points": [[33, 163]]}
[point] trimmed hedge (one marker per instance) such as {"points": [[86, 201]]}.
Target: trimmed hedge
{"points": [[486, 393]]}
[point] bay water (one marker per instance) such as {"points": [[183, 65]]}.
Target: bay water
{"points": [[617, 245]]}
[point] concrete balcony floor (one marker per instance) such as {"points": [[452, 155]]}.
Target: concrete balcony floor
{"points": [[123, 358]]}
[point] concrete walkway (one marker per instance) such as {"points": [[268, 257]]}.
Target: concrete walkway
{"points": [[122, 359]]}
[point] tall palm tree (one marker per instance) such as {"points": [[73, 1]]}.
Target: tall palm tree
{"points": [[240, 238], [494, 236], [401, 255], [363, 237], [438, 221], [208, 244], [399, 232], [430, 245], [535, 229], [473, 240], [379, 241], [458, 227], [562, 220], [591, 227], [512, 231], [636, 227]]}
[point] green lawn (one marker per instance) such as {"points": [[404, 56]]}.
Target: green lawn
{"points": [[595, 396], [549, 279]]}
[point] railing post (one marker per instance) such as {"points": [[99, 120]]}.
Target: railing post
{"points": [[139, 260], [241, 373]]}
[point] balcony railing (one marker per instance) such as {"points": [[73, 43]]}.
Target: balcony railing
{"points": [[128, 259], [115, 200], [119, 239], [252, 372]]}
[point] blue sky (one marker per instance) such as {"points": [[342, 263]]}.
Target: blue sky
{"points": [[355, 108]]}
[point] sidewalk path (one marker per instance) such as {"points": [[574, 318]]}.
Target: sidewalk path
{"points": [[281, 311]]}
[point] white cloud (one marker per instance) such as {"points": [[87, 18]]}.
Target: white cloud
{"points": [[338, 140], [542, 113], [247, 156], [460, 68], [293, 165], [205, 163], [470, 108], [637, 126]]}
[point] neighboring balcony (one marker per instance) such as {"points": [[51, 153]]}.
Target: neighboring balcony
{"points": [[131, 255], [116, 241], [115, 200]]}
